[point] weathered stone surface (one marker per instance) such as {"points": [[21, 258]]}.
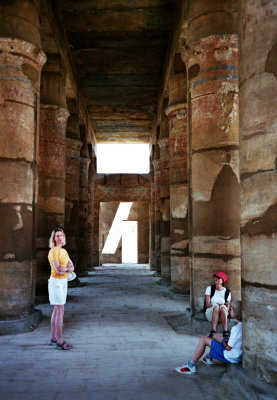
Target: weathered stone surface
{"points": [[18, 122], [179, 201], [259, 115], [257, 20], [216, 245], [180, 276], [260, 338], [258, 153], [258, 193], [20, 20], [16, 182], [207, 166], [258, 259], [211, 17]]}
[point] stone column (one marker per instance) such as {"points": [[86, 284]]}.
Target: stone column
{"points": [[90, 221], [72, 185], [163, 143], [212, 64], [83, 205], [178, 176], [156, 165], [258, 141], [96, 254], [21, 61], [52, 163], [152, 220]]}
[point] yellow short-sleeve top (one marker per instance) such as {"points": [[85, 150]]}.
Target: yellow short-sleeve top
{"points": [[60, 255]]}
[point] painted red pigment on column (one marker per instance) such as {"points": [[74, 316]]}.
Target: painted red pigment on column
{"points": [[178, 176], [72, 185], [258, 121], [21, 61], [52, 167], [212, 65]]}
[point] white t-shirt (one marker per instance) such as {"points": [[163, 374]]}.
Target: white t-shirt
{"points": [[235, 341], [218, 297]]}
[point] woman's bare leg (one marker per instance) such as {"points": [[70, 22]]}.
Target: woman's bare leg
{"points": [[200, 349], [53, 324], [223, 317], [215, 317], [59, 323]]}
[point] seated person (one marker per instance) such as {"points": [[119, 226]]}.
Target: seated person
{"points": [[223, 349], [217, 299]]}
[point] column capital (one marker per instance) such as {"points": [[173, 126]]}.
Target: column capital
{"points": [[178, 111]]}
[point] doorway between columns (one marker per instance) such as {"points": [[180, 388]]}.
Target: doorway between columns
{"points": [[124, 232]]}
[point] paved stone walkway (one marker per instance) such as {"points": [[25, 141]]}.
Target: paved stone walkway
{"points": [[127, 339]]}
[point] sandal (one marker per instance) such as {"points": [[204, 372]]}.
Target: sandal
{"points": [[63, 346], [52, 342], [211, 334], [226, 334]]}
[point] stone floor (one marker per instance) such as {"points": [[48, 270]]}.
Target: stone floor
{"points": [[127, 337]]}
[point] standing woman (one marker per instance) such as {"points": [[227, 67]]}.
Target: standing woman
{"points": [[57, 286]]}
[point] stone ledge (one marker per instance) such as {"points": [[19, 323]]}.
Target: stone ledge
{"points": [[201, 325], [249, 385], [20, 325]]}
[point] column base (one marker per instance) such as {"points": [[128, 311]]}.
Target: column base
{"points": [[20, 325], [249, 385]]}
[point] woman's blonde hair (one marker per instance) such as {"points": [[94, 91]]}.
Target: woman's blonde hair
{"points": [[52, 240], [236, 306]]}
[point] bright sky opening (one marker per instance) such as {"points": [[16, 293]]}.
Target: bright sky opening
{"points": [[123, 158]]}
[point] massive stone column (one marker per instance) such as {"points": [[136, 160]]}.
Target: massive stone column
{"points": [[258, 147], [21, 61], [90, 221], [96, 251], [157, 177], [83, 205], [212, 64], [72, 184], [163, 143], [152, 220], [178, 176], [52, 163]]}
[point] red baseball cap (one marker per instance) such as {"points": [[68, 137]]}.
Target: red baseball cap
{"points": [[221, 275]]}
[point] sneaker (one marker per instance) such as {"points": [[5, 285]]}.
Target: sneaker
{"points": [[207, 361], [185, 369]]}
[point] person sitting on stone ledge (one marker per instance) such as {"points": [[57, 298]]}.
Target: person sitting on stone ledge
{"points": [[228, 350], [217, 301]]}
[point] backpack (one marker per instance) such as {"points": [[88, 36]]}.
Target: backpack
{"points": [[212, 293]]}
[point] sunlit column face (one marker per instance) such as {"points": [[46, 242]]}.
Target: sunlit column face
{"points": [[123, 158]]}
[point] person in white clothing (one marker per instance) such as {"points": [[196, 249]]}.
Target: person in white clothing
{"points": [[223, 349], [217, 300]]}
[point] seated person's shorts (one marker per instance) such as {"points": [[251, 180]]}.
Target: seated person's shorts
{"points": [[217, 350], [209, 312], [57, 289]]}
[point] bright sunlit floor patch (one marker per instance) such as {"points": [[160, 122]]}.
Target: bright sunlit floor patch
{"points": [[124, 158]]}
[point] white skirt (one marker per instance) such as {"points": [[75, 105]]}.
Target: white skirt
{"points": [[57, 289]]}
